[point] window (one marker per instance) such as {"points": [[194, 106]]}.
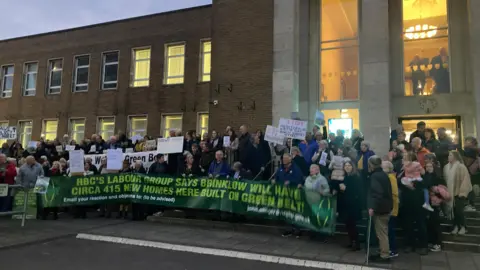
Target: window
{"points": [[141, 67], [49, 129], [342, 119], [174, 64], [7, 81], [25, 132], [110, 70], [3, 125], [77, 129], [80, 75], [171, 122], [339, 50], [206, 61], [425, 42], [55, 68], [30, 71], [202, 123], [137, 125], [106, 127]]}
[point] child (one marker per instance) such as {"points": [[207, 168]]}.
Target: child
{"points": [[338, 174], [412, 172], [387, 167]]}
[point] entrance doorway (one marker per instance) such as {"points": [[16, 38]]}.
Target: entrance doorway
{"points": [[452, 124]]}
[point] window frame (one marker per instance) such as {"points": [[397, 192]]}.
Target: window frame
{"points": [[133, 67], [166, 67], [44, 121], [163, 121], [98, 131], [202, 59], [70, 133], [26, 73], [129, 123], [2, 81], [76, 67], [199, 122], [49, 76], [19, 133], [104, 64], [2, 124]]}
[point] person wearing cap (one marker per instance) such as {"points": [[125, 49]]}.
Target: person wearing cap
{"points": [[159, 167]]}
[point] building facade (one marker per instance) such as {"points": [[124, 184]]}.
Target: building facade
{"points": [[366, 64]]}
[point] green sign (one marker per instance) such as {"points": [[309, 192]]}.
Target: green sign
{"points": [[18, 201], [260, 198]]}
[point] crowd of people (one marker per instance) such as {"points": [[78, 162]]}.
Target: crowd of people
{"points": [[416, 183]]}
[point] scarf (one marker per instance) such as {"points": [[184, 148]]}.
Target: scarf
{"points": [[450, 174]]}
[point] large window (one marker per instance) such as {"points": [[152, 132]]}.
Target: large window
{"points": [[49, 129], [25, 132], [110, 70], [339, 50], [206, 60], [426, 57], [30, 71], [342, 119], [141, 67], [202, 123], [137, 125], [7, 81], [106, 127], [3, 125], [171, 122], [55, 69], [174, 64], [80, 76], [76, 129]]}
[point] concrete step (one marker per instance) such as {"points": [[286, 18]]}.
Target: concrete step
{"points": [[461, 247]]}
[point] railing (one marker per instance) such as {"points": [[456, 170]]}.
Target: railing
{"points": [[25, 200]]}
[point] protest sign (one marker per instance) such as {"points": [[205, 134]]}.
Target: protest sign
{"points": [[18, 200], [77, 161], [69, 147], [147, 158], [129, 150], [114, 159], [226, 141], [299, 207], [272, 134], [294, 129], [41, 185], [319, 119], [3, 190], [170, 145], [93, 148], [8, 133], [136, 138], [150, 145], [59, 148], [32, 144]]}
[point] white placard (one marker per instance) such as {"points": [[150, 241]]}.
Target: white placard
{"points": [[41, 185], [294, 129], [129, 150], [272, 134], [136, 138], [3, 190], [93, 148], [77, 161], [150, 144], [323, 159], [226, 141], [69, 147], [170, 145], [147, 158], [114, 159], [59, 148], [8, 133], [32, 144], [319, 118]]}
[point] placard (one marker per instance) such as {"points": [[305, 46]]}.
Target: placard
{"points": [[41, 185], [147, 158], [69, 147], [136, 138], [93, 148], [294, 129], [3, 190], [170, 145], [272, 134], [150, 144], [226, 141], [8, 133], [114, 159], [77, 161], [32, 144], [129, 150], [59, 148]]}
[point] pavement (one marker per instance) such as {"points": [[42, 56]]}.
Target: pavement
{"points": [[58, 238]]}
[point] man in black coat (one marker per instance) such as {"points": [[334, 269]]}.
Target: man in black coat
{"points": [[244, 147], [380, 205]]}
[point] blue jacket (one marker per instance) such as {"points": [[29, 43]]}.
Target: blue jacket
{"points": [[219, 169], [366, 156], [310, 151], [293, 175]]}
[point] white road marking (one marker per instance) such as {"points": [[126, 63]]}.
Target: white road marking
{"points": [[224, 253]]}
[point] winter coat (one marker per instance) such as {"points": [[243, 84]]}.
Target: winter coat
{"points": [[363, 157], [219, 169], [380, 195], [292, 174], [8, 176], [350, 200], [302, 165], [336, 165]]}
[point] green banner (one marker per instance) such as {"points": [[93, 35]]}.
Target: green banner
{"points": [[299, 207]]}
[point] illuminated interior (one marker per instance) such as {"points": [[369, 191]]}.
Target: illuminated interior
{"points": [[334, 117], [142, 67], [339, 50], [25, 132], [49, 130], [175, 64], [106, 127], [206, 61], [138, 126], [449, 124], [77, 129], [425, 25], [203, 123], [171, 122], [3, 125]]}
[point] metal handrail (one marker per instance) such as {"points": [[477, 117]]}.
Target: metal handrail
{"points": [[25, 200]]}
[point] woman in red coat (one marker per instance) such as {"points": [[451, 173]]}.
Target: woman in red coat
{"points": [[7, 176]]}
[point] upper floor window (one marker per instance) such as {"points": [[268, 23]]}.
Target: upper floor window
{"points": [[426, 57], [339, 53], [25, 132], [49, 129], [80, 75], [109, 70], [206, 61], [141, 67], [106, 127], [77, 129], [30, 71], [171, 123], [7, 81], [175, 64], [137, 125], [55, 69]]}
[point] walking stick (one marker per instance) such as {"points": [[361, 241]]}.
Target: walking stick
{"points": [[369, 228]]}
